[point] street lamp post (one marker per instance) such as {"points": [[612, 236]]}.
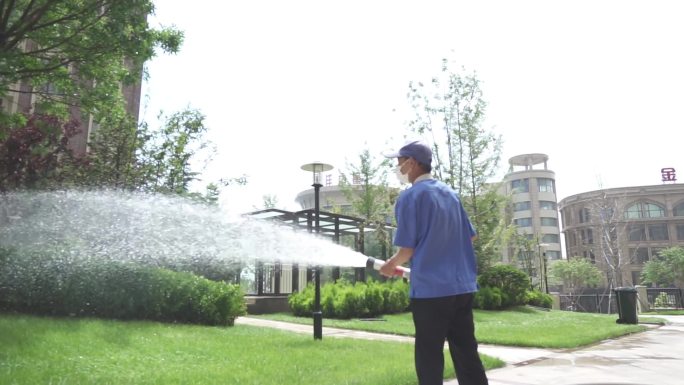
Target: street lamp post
{"points": [[543, 279], [317, 168]]}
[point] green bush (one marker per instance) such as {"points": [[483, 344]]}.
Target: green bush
{"points": [[513, 283], [395, 296], [537, 298], [39, 284], [487, 298], [344, 300]]}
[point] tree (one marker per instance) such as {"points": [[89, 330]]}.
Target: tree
{"points": [[606, 216], [450, 111], [34, 152], [576, 273], [666, 269], [369, 195], [270, 201], [167, 153], [525, 250], [34, 155], [78, 52]]}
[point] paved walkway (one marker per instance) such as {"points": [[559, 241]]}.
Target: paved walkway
{"points": [[655, 357]]}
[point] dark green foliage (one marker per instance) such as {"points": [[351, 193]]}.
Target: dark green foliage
{"points": [[345, 300], [537, 298], [106, 42], [512, 283], [488, 298], [34, 152], [41, 284]]}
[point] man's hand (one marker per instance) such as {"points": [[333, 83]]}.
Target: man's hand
{"points": [[402, 256], [388, 269]]}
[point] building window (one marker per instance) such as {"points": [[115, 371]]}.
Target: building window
{"points": [[584, 215], [655, 251], [680, 232], [658, 232], [679, 210], [636, 278], [587, 236], [571, 238], [549, 222], [546, 185], [567, 216], [639, 255], [520, 185], [522, 206], [523, 222], [547, 205], [644, 210], [551, 238], [553, 254], [636, 233]]}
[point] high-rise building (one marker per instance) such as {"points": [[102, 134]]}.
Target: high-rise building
{"points": [[531, 187]]}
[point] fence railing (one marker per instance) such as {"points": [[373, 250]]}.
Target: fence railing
{"points": [[665, 297], [605, 302], [589, 303]]}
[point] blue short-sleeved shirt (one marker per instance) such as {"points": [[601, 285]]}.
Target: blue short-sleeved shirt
{"points": [[432, 221]]}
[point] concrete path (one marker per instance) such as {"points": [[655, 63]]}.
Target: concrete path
{"points": [[655, 357]]}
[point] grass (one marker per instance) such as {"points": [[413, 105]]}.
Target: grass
{"points": [[666, 312], [41, 350], [521, 326]]}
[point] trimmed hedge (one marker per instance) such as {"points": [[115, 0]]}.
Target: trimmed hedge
{"points": [[40, 284], [344, 300]]}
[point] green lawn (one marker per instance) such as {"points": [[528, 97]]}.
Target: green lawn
{"points": [[666, 312], [521, 326], [42, 350]]}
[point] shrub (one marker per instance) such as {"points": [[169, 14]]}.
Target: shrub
{"points": [[395, 296], [512, 283], [345, 300], [487, 298], [39, 284], [537, 298]]}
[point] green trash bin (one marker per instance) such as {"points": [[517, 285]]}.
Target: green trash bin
{"points": [[626, 298]]}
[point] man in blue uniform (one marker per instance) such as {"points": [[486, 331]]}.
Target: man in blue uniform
{"points": [[435, 235]]}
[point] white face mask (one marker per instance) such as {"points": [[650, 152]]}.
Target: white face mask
{"points": [[403, 178]]}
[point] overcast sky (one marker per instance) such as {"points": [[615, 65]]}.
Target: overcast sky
{"points": [[596, 85]]}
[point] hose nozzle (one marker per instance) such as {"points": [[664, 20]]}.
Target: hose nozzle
{"points": [[399, 271]]}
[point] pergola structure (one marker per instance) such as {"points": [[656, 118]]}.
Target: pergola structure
{"points": [[332, 225]]}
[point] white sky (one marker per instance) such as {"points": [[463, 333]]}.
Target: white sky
{"points": [[596, 85]]}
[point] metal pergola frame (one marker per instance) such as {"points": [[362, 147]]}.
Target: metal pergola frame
{"points": [[333, 225]]}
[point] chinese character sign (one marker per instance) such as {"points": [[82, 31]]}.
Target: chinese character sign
{"points": [[668, 174]]}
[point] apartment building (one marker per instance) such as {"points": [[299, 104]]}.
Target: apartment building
{"points": [[620, 229]]}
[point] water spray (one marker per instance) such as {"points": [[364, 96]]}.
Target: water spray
{"points": [[399, 271]]}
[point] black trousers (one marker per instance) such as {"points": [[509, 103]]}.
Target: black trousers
{"points": [[451, 319]]}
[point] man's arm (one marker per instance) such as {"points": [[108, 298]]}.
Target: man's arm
{"points": [[402, 256]]}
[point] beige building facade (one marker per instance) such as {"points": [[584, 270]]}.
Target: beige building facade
{"points": [[531, 187], [620, 229]]}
